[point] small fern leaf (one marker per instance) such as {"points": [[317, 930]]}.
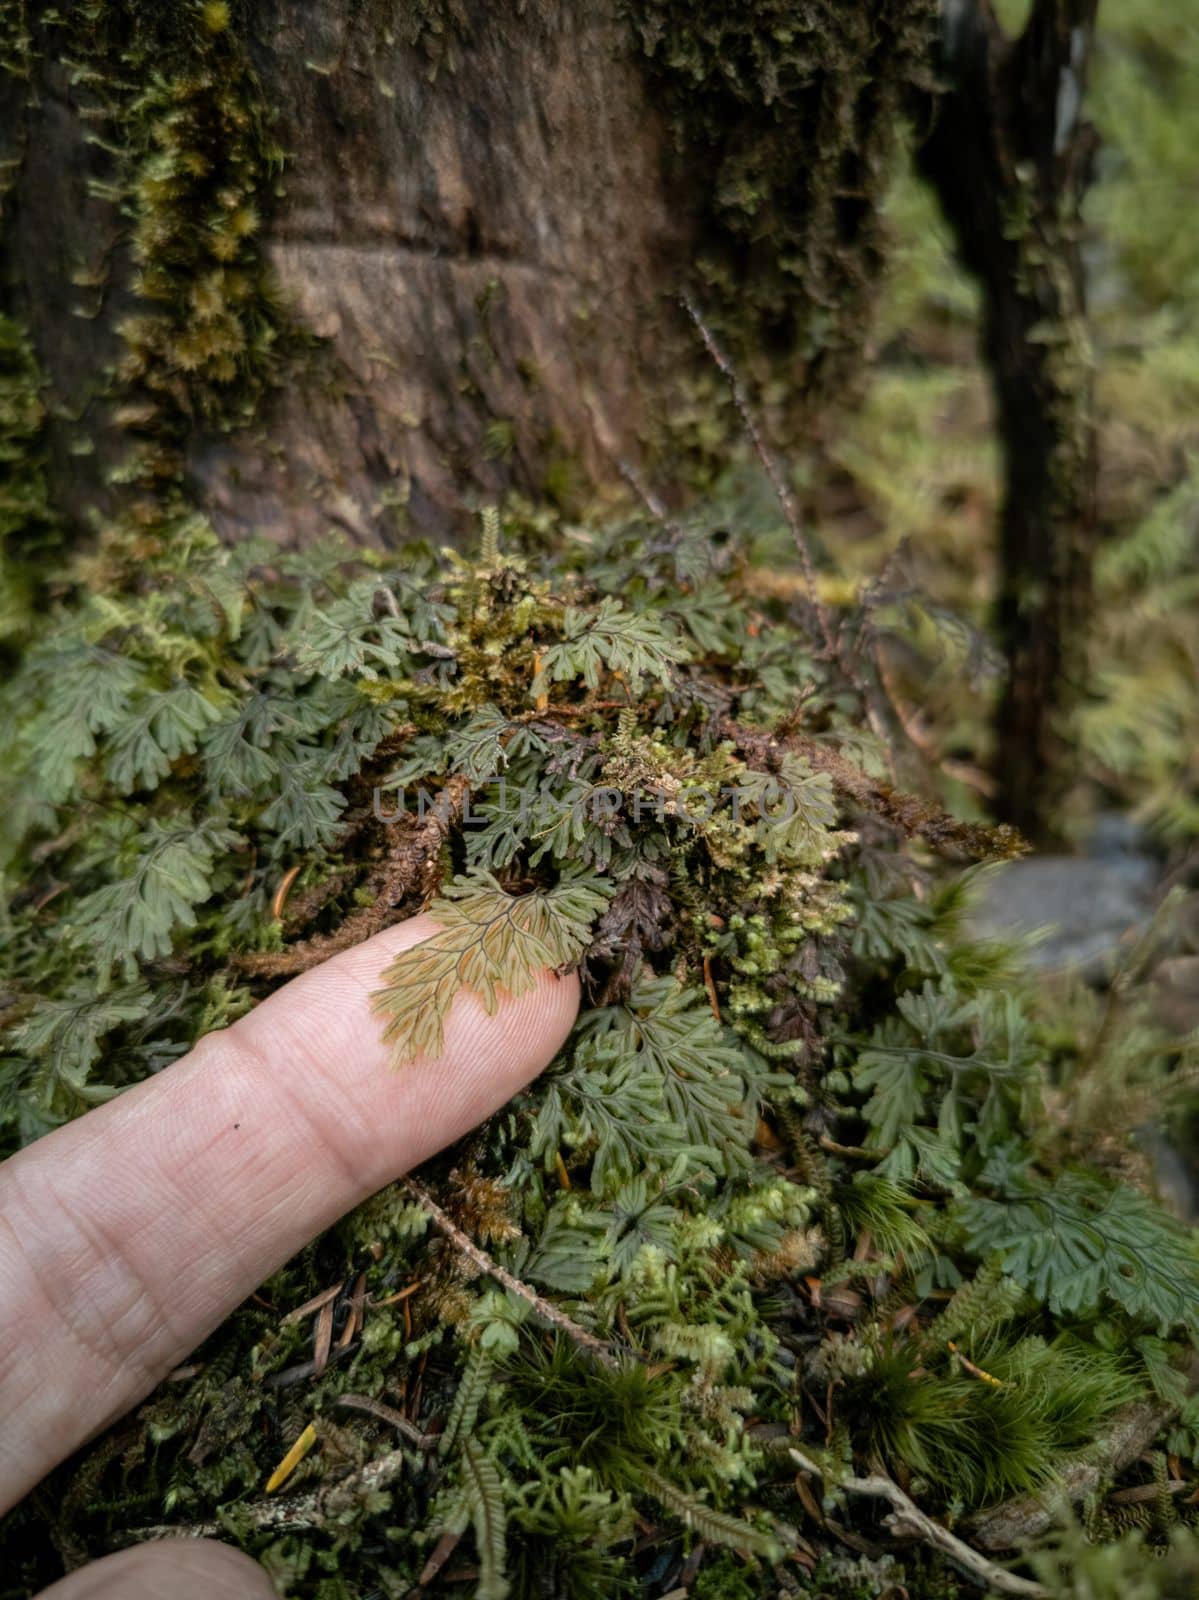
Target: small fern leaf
{"points": [[484, 1491], [161, 727], [1079, 1243], [139, 914], [637, 645], [797, 813], [712, 1526], [489, 943], [472, 1388]]}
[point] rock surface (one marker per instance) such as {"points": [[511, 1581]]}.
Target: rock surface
{"points": [[1087, 909]]}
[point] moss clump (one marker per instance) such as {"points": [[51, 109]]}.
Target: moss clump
{"points": [[202, 164], [793, 111], [174, 101], [789, 1180], [27, 524]]}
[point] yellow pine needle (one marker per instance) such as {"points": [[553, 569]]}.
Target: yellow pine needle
{"points": [[282, 892], [291, 1460], [975, 1372]]}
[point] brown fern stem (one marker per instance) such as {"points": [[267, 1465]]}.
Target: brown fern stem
{"points": [[411, 870]]}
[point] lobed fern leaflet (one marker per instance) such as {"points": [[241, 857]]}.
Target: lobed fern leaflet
{"points": [[1080, 1244], [489, 943]]}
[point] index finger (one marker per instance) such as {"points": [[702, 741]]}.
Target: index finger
{"points": [[127, 1236]]}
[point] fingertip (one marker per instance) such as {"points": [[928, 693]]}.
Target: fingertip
{"points": [[155, 1214], [173, 1569], [488, 1057], [491, 1057], [340, 1076]]}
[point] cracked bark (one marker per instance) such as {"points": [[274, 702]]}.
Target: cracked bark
{"points": [[487, 215]]}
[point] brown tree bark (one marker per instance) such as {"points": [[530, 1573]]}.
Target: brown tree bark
{"points": [[1009, 153], [485, 217]]}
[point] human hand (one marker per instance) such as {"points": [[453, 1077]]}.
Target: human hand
{"points": [[129, 1235]]}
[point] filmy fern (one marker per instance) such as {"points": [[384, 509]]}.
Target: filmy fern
{"points": [[633, 645], [490, 944], [784, 1153], [1079, 1244], [484, 1494], [168, 872]]}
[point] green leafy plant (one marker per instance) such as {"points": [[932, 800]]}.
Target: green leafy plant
{"points": [[1079, 1243], [490, 943], [789, 1177]]}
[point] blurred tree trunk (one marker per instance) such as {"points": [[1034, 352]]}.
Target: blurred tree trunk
{"points": [[1010, 154]]}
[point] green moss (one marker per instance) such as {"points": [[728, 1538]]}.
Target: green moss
{"points": [[773, 1006], [171, 94], [16, 38], [432, 27], [27, 524], [792, 112], [204, 349]]}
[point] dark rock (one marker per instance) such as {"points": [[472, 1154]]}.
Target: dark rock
{"points": [[1087, 909]]}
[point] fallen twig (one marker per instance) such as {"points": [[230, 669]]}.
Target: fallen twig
{"points": [[388, 1414], [310, 1307], [1015, 1522], [907, 1518], [770, 467], [544, 1308], [312, 1510], [411, 868]]}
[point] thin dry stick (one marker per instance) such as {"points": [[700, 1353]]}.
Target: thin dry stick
{"points": [[410, 867], [544, 1309], [314, 1509], [832, 640], [1132, 1430], [388, 1414], [646, 495], [770, 466], [907, 1517]]}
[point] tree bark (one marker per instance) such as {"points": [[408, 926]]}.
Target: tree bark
{"points": [[486, 214], [1010, 155]]}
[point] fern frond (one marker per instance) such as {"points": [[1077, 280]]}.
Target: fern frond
{"points": [[713, 1526], [797, 813], [1080, 1243], [471, 1392], [139, 913], [346, 636], [637, 645], [165, 725], [664, 1059], [979, 1305], [484, 1490], [489, 943], [64, 1036]]}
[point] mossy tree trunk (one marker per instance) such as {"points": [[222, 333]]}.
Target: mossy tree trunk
{"points": [[1009, 154], [362, 263]]}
